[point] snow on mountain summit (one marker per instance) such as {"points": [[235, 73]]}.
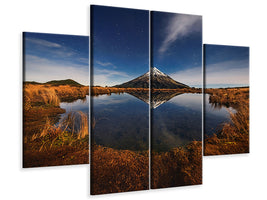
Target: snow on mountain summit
{"points": [[159, 80], [157, 72]]}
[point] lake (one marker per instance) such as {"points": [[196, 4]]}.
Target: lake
{"points": [[215, 115], [177, 122], [122, 120], [77, 105]]}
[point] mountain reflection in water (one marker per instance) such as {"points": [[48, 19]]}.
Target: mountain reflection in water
{"points": [[122, 120], [157, 97]]}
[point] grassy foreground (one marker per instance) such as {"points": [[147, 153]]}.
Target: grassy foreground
{"points": [[123, 170], [233, 137], [44, 142]]}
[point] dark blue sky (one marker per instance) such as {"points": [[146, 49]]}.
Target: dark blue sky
{"points": [[56, 57], [177, 46], [120, 45], [226, 66]]}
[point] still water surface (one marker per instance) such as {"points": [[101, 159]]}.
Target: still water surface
{"points": [[122, 120]]}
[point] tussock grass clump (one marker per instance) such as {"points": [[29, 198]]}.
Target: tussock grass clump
{"points": [[39, 95], [76, 123], [123, 170], [97, 90], [70, 93], [46, 140], [177, 167], [240, 120], [70, 131], [118, 170], [228, 96], [233, 137]]}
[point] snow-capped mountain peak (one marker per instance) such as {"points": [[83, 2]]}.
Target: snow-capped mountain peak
{"points": [[159, 80], [157, 72]]}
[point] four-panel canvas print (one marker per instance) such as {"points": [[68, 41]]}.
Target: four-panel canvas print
{"points": [[155, 93]]}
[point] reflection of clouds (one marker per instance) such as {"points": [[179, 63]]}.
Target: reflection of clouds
{"points": [[111, 99], [77, 105], [191, 101]]}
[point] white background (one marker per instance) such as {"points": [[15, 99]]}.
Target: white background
{"points": [[225, 22]]}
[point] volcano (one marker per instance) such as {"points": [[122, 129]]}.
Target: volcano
{"points": [[159, 80]]}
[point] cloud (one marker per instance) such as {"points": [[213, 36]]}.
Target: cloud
{"points": [[105, 64], [227, 65], [179, 26], [51, 48], [83, 60], [234, 72], [109, 77], [42, 70], [43, 43], [191, 76], [110, 72], [228, 72]]}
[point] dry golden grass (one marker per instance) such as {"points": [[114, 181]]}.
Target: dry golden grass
{"points": [[178, 167], [34, 94], [233, 137], [123, 170], [59, 144], [76, 123], [228, 96], [181, 90], [70, 131], [108, 90], [69, 93], [118, 170], [47, 144]]}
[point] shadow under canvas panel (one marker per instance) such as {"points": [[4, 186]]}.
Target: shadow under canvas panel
{"points": [[176, 100], [226, 116], [55, 99], [119, 100]]}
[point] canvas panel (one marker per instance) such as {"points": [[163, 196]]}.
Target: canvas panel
{"points": [[176, 100], [226, 126], [119, 100], [55, 99]]}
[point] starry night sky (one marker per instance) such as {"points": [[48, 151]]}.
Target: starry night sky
{"points": [[120, 45], [177, 46], [226, 66], [56, 57]]}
